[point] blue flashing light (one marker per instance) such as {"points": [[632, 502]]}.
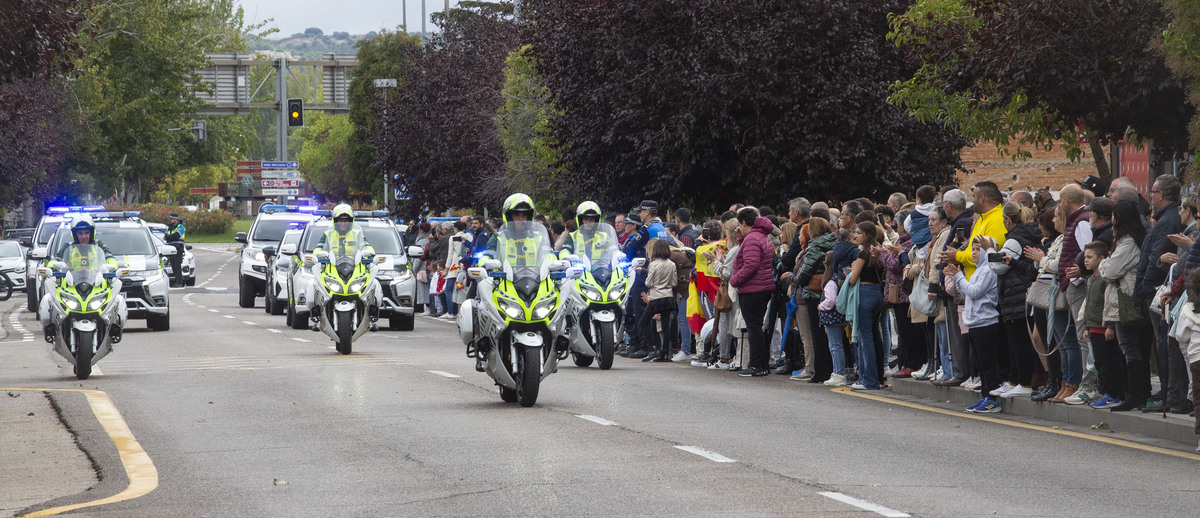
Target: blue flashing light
{"points": [[380, 214], [133, 213], [322, 212], [307, 208], [271, 207], [57, 210]]}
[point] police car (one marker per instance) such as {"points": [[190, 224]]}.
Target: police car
{"points": [[279, 269], [53, 217], [141, 259], [394, 272], [159, 231], [266, 231]]}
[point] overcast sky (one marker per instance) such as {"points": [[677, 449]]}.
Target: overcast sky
{"points": [[352, 16]]}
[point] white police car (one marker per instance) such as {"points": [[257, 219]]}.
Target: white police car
{"points": [[266, 231]]}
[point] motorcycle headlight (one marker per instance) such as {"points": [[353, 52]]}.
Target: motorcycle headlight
{"points": [[71, 303], [357, 286], [591, 294], [333, 285], [617, 291], [512, 309], [95, 304], [543, 309]]}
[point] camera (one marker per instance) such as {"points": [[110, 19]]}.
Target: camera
{"points": [[995, 257]]}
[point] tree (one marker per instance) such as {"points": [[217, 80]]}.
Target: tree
{"points": [[1041, 71], [711, 101], [325, 156], [533, 156], [379, 58], [1181, 47], [40, 37], [439, 132]]}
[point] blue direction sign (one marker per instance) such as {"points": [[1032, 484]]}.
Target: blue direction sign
{"points": [[280, 165]]}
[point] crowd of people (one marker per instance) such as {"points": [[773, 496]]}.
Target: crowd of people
{"points": [[1069, 298]]}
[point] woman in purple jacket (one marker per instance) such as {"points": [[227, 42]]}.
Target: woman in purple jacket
{"points": [[753, 277]]}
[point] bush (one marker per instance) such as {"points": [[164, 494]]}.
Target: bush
{"points": [[198, 222]]}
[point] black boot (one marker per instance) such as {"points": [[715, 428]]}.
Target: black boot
{"points": [[48, 333], [115, 331], [651, 355], [640, 353], [1049, 390]]}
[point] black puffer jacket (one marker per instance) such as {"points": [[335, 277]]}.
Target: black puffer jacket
{"points": [[1021, 272]]}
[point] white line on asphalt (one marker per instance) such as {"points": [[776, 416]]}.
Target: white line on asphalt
{"points": [[331, 347], [445, 374], [228, 316], [863, 504], [597, 420], [201, 307], [302, 340], [213, 311], [249, 323], [273, 330], [216, 288], [715, 457]]}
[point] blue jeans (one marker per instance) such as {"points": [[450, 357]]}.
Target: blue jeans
{"points": [[870, 304], [685, 332], [1072, 355], [943, 347], [836, 348], [885, 329], [451, 307]]}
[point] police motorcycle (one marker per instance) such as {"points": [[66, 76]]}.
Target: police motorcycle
{"points": [[345, 292], [594, 301], [516, 328], [86, 312]]}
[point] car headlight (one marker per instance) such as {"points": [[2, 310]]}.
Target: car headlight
{"points": [[259, 256], [591, 294], [71, 303], [404, 275], [543, 309], [512, 309], [95, 304], [152, 275]]}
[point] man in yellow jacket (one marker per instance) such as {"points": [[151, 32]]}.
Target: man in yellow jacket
{"points": [[990, 223]]}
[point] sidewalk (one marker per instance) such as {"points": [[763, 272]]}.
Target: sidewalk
{"points": [[40, 459], [1178, 431]]}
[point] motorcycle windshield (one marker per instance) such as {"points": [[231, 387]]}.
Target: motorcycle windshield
{"points": [[343, 246], [523, 246], [596, 245], [85, 264]]}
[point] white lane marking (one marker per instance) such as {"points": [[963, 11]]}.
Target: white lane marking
{"points": [[715, 457], [249, 323], [445, 374], [217, 273], [15, 320], [213, 311], [597, 420], [273, 330], [96, 371], [863, 504], [331, 347], [216, 288], [228, 316], [201, 307], [302, 340]]}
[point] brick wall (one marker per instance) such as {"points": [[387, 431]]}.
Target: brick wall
{"points": [[1049, 169]]}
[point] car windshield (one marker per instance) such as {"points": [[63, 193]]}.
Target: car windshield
{"points": [[316, 230], [10, 249], [385, 241], [291, 238], [271, 230], [125, 240], [47, 231]]}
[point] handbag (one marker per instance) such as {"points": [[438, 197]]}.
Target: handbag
{"points": [[722, 302], [1044, 290], [1129, 310], [1156, 302], [919, 298], [893, 294]]}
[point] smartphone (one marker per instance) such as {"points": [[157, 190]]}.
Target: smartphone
{"points": [[995, 257], [457, 239], [960, 234]]}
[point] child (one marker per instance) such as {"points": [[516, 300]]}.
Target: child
{"points": [[1110, 362], [982, 318], [437, 285], [1188, 334], [917, 223], [660, 302], [833, 322]]}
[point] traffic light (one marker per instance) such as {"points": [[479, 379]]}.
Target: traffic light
{"points": [[295, 112]]}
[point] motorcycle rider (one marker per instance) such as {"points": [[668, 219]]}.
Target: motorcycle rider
{"points": [[344, 240], [83, 232], [586, 242], [176, 232]]}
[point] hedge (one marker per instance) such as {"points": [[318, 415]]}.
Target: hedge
{"points": [[198, 222]]}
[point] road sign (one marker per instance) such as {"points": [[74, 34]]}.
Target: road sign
{"points": [[281, 183], [281, 192], [249, 163], [277, 174], [243, 171], [205, 190], [385, 83], [281, 165], [247, 181]]}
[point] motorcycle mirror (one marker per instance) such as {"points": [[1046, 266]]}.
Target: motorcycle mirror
{"points": [[574, 272], [638, 262], [58, 265], [321, 254], [476, 273], [491, 264], [572, 258]]}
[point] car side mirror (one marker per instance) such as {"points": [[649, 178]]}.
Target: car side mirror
{"points": [[189, 247], [288, 249], [240, 237], [269, 251], [167, 250], [38, 254], [415, 251]]}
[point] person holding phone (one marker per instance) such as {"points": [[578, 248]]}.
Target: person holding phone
{"points": [[958, 216]]}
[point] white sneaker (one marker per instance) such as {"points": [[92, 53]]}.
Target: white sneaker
{"points": [[680, 357], [858, 386], [836, 380], [1017, 391], [1079, 397], [973, 383], [1002, 389], [698, 363], [718, 366], [890, 371], [803, 376]]}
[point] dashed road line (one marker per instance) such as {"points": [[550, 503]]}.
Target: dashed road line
{"points": [[863, 504], [305, 340], [597, 420], [15, 320], [445, 374], [273, 330], [228, 316], [249, 323], [213, 311], [715, 457]]}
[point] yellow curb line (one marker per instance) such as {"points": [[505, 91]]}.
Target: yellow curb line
{"points": [[143, 477], [1018, 424]]}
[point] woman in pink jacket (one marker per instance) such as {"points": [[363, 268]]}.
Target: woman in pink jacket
{"points": [[753, 276]]}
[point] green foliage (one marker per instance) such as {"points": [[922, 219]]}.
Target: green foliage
{"points": [[323, 161], [197, 222], [1181, 46], [532, 153], [382, 57]]}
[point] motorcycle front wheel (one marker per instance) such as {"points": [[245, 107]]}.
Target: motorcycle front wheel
{"points": [[6, 287], [606, 346], [83, 353], [531, 376], [345, 331]]}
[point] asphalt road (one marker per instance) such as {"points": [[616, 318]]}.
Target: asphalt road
{"points": [[243, 416]]}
